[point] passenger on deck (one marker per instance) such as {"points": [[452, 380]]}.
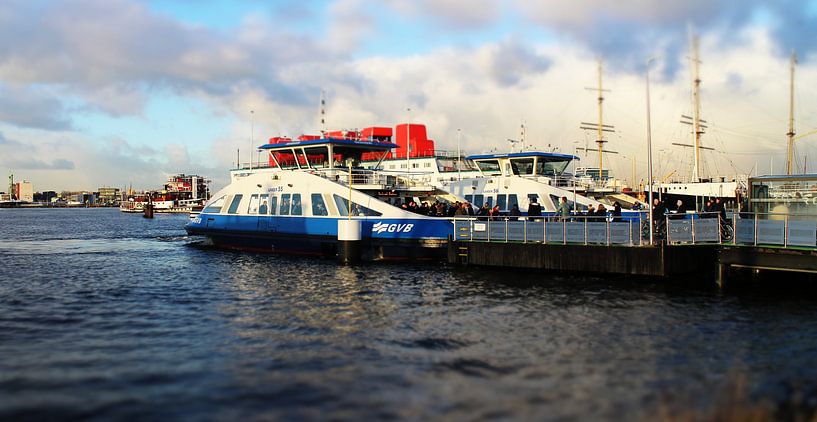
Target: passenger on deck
{"points": [[515, 213], [483, 212], [658, 211], [616, 212], [469, 210], [440, 209], [534, 209], [494, 213], [564, 208], [263, 208], [460, 211], [601, 213], [680, 210], [720, 208]]}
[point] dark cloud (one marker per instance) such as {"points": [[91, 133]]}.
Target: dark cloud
{"points": [[626, 32], [34, 164], [512, 61], [31, 108]]}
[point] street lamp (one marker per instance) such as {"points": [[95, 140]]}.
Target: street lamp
{"points": [[252, 132], [649, 152]]}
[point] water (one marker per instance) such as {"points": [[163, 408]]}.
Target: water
{"points": [[105, 315]]}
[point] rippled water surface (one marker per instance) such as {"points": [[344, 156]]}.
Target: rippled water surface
{"points": [[107, 316]]}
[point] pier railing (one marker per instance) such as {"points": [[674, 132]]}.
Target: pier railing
{"points": [[776, 229], [748, 229], [564, 230]]}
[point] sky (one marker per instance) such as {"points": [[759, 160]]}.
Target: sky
{"points": [[127, 92]]}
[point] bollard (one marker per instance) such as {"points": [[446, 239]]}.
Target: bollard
{"points": [[348, 241]]}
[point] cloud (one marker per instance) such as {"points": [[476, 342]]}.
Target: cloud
{"points": [[628, 31], [6, 141], [34, 164], [452, 13], [510, 61], [111, 54], [31, 108]]}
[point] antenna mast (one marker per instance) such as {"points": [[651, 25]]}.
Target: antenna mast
{"points": [[323, 112], [790, 134]]}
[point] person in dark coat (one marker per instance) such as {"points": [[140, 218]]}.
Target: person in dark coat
{"points": [[616, 212], [515, 213], [658, 210], [534, 209]]}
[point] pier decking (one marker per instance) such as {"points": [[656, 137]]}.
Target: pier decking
{"points": [[689, 244]]}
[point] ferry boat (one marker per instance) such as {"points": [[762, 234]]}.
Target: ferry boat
{"points": [[180, 194], [501, 179], [312, 189]]}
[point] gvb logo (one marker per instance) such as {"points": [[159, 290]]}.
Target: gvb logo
{"points": [[381, 227]]}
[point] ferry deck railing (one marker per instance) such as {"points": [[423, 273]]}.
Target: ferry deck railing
{"points": [[742, 229]]}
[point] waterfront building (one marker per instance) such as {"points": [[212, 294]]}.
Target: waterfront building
{"points": [[45, 197], [109, 196], [24, 191]]}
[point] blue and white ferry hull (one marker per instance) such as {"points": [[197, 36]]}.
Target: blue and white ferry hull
{"points": [[381, 238]]}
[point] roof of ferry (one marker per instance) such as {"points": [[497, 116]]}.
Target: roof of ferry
{"points": [[356, 143], [523, 154]]}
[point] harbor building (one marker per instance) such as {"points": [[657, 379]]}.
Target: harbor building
{"points": [[109, 196], [24, 191]]}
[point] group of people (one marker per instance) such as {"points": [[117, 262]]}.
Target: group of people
{"points": [[439, 208], [458, 209], [712, 208]]}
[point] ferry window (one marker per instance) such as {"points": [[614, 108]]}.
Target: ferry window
{"points": [[478, 200], [317, 156], [263, 209], [490, 201], [253, 207], [512, 200], [296, 204], [469, 198], [285, 204], [551, 166], [318, 206], [501, 201], [522, 166], [234, 205], [273, 204], [490, 168], [357, 209], [214, 207]]}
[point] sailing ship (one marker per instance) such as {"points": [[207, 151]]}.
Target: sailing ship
{"points": [[694, 193]]}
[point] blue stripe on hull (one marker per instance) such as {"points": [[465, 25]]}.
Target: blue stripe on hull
{"points": [[382, 239], [382, 228]]}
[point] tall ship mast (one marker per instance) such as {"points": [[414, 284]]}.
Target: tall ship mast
{"points": [[701, 188], [599, 127], [790, 133]]}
